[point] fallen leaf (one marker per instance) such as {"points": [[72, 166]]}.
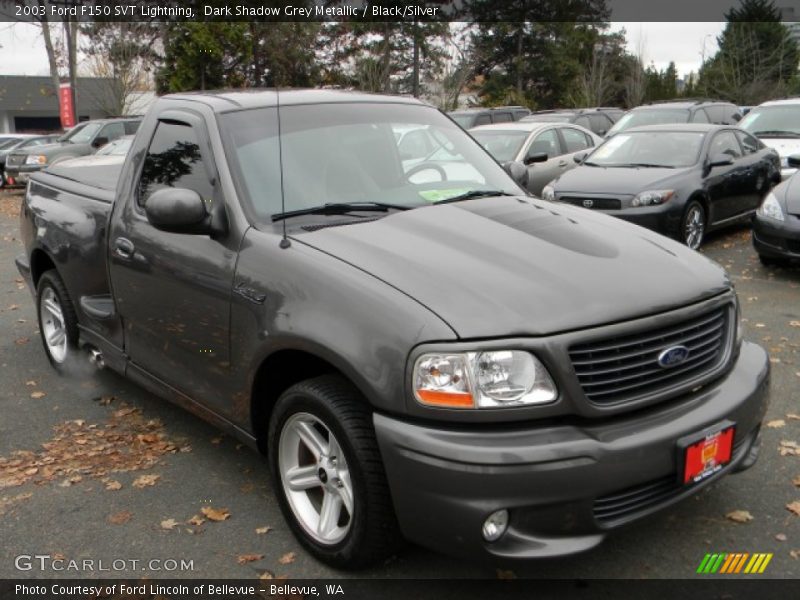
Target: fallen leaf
{"points": [[287, 558], [144, 481], [505, 574], [37, 395], [792, 416], [760, 325], [794, 507], [169, 524], [795, 554], [776, 423], [21, 341], [197, 520], [13, 307], [215, 514], [216, 441], [781, 537], [794, 323], [262, 530], [120, 517], [113, 485], [266, 575], [31, 383], [774, 360], [796, 481], [243, 559], [739, 516]]}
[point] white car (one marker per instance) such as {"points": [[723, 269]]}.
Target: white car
{"points": [[777, 124]]}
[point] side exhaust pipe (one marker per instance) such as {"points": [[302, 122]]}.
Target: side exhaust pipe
{"points": [[96, 358]]}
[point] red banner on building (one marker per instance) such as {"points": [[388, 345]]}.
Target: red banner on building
{"points": [[65, 107]]}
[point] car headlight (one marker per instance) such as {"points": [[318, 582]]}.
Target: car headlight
{"points": [[652, 197], [36, 159], [492, 379], [771, 208], [548, 193]]}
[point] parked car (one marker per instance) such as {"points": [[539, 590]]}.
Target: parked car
{"points": [[776, 226], [473, 117], [597, 120], [679, 111], [777, 124], [546, 149], [19, 143], [83, 139], [679, 180], [482, 372]]}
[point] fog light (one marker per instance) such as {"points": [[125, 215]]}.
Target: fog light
{"points": [[495, 526]]}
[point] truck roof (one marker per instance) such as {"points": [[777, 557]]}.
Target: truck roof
{"points": [[224, 100]]}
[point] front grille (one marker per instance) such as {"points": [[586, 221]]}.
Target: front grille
{"points": [[627, 503], [624, 368], [594, 203], [14, 160]]}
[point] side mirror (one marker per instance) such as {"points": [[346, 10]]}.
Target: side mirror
{"points": [[518, 172], [720, 160], [178, 210], [536, 158], [579, 158], [99, 141], [794, 161]]}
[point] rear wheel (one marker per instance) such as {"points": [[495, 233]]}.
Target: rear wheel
{"points": [[693, 225], [328, 473], [58, 322]]}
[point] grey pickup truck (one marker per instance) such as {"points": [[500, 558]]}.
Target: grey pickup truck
{"points": [[422, 350]]}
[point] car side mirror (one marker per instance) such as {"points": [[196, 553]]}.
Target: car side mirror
{"points": [[178, 210], [518, 172], [537, 157], [579, 158], [720, 160], [794, 161], [99, 141]]}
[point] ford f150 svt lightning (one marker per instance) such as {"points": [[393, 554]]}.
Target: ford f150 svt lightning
{"points": [[423, 350]]}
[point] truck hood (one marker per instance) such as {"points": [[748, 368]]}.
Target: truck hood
{"points": [[516, 266], [615, 180]]}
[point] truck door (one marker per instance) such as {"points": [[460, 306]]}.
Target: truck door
{"points": [[173, 290]]}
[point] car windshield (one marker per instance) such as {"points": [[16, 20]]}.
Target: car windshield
{"points": [[118, 147], [82, 134], [649, 116], [560, 118], [503, 145], [348, 153], [670, 149], [773, 120], [465, 121]]}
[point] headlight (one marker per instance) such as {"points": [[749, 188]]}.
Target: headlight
{"points": [[36, 159], [771, 208], [652, 197], [493, 379], [548, 193]]}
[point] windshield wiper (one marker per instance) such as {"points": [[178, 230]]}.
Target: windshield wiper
{"points": [[776, 133], [473, 194], [339, 208], [650, 166]]}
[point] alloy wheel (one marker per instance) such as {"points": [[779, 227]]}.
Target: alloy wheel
{"points": [[53, 325]]}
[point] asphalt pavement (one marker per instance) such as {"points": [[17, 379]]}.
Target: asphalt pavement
{"points": [[94, 468]]}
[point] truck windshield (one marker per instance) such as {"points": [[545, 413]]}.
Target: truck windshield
{"points": [[354, 153], [82, 134]]}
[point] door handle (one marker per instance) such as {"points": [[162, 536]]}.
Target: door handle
{"points": [[562, 163], [124, 247]]}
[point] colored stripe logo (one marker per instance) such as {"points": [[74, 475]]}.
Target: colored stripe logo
{"points": [[733, 563]]}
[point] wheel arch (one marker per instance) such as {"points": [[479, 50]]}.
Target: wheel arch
{"points": [[40, 263]]}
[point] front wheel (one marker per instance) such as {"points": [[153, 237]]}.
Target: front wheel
{"points": [[58, 323], [327, 471], [693, 225]]}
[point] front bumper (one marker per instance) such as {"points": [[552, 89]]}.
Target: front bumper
{"points": [[777, 239], [559, 479], [21, 172], [662, 218]]}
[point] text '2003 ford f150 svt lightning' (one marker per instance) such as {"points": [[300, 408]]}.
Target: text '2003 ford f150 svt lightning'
{"points": [[423, 350]]}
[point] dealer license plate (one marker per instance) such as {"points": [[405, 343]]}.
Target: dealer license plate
{"points": [[703, 454]]}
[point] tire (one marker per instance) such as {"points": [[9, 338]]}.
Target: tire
{"points": [[768, 261], [365, 531], [2, 179], [58, 322], [693, 225]]}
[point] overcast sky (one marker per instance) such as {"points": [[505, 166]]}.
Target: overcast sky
{"points": [[22, 49]]}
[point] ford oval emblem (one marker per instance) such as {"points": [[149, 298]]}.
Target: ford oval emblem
{"points": [[673, 356], [588, 203]]}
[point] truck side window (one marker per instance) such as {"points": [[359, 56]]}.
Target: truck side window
{"points": [[173, 160]]}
